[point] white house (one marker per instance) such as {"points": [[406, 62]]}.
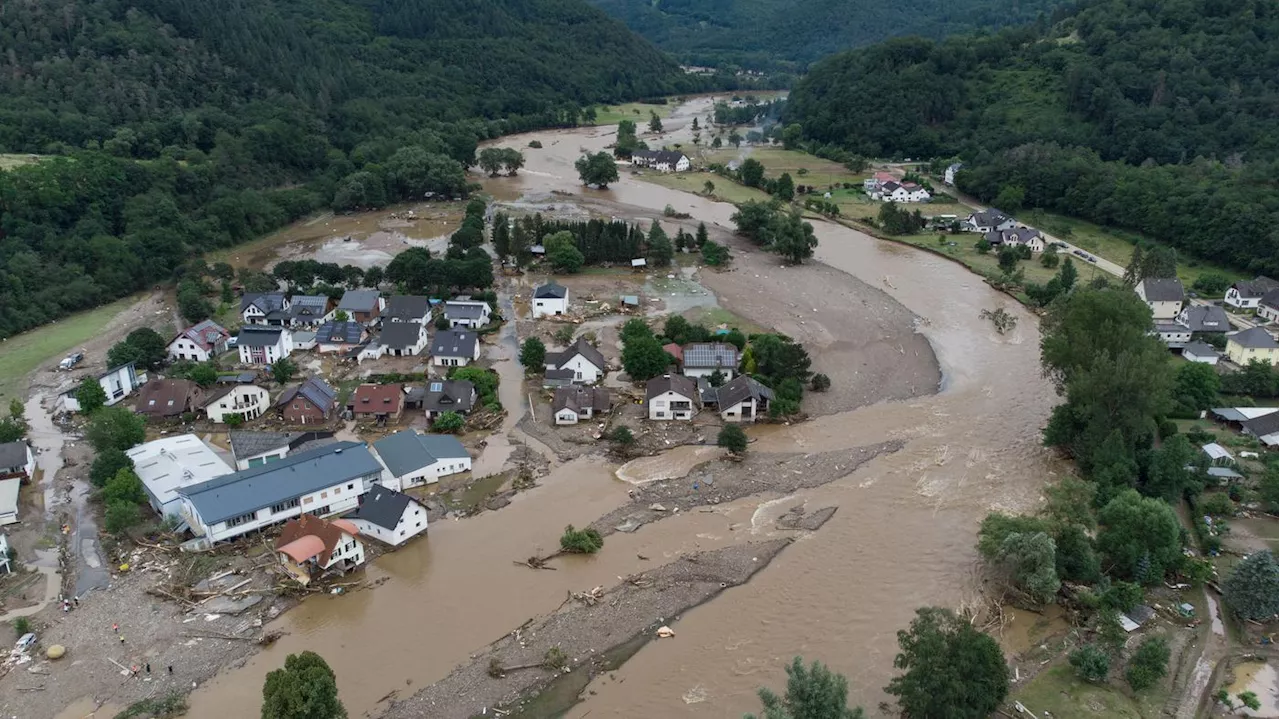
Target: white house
{"points": [[263, 345], [455, 348], [743, 400], [344, 336], [1172, 334], [703, 359], [872, 184], [168, 464], [403, 339], [309, 547], [550, 299], [414, 459], [900, 192], [9, 500], [1268, 311], [671, 396], [310, 311], [467, 313], [389, 516], [988, 221], [118, 383], [949, 175], [1200, 352], [1164, 295], [17, 460], [662, 160], [1247, 294], [371, 350], [264, 308], [199, 342], [247, 400], [574, 403], [407, 308], [323, 481], [251, 448], [1028, 237], [585, 361]]}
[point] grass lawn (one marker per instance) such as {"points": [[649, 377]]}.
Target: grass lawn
{"points": [[713, 317], [26, 351], [964, 250], [637, 111], [17, 160], [854, 203], [1056, 691], [726, 190], [777, 161], [1115, 244]]}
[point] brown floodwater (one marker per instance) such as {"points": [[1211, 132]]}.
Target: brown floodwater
{"points": [[903, 536]]}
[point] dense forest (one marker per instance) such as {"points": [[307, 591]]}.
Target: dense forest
{"points": [[179, 127], [1159, 117], [772, 35]]}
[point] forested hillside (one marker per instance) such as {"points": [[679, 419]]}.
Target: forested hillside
{"points": [[781, 34], [182, 123], [1155, 116]]}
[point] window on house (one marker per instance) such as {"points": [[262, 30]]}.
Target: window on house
{"points": [[351, 486], [308, 500], [324, 495], [284, 506], [242, 519]]}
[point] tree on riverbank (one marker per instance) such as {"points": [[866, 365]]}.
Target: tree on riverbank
{"points": [[732, 438], [812, 693], [950, 669], [306, 688], [1251, 588], [598, 169], [581, 541]]}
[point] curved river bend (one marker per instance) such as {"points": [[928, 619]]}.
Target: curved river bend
{"points": [[903, 536]]}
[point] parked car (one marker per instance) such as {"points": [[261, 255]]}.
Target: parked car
{"points": [[25, 642]]}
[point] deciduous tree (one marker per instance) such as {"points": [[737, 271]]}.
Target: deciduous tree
{"points": [[90, 396], [598, 169], [949, 669], [732, 438], [1139, 536], [305, 688], [815, 692], [533, 354], [115, 428]]}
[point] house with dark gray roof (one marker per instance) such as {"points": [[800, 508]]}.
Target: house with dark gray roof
{"points": [[1164, 295], [264, 308], [574, 403], [403, 339], [550, 300], [448, 395], [662, 160], [671, 396], [389, 516], [1028, 237], [585, 361], [323, 481], [199, 342], [17, 460], [1265, 428], [251, 449], [311, 402], [988, 221], [310, 311], [1269, 306], [743, 399], [1252, 344], [1247, 294], [407, 308], [263, 345], [703, 359], [1205, 318], [336, 336], [467, 313], [454, 348], [363, 306], [1200, 352], [414, 459]]}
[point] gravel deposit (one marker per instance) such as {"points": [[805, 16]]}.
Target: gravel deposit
{"points": [[639, 604], [726, 480]]}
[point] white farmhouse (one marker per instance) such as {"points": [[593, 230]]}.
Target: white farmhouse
{"points": [[901, 192], [389, 516], [199, 342], [264, 308], [263, 345], [1247, 294], [662, 160], [671, 396], [413, 459], [403, 339], [467, 313], [574, 403], [743, 400], [550, 300], [247, 400], [584, 361], [117, 382]]}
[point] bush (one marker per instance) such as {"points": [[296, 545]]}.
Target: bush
{"points": [[233, 420], [121, 515], [535, 144], [820, 383], [564, 334], [732, 438], [1091, 663], [623, 436], [1216, 504], [448, 423], [21, 625], [1149, 664], [581, 541], [106, 465]]}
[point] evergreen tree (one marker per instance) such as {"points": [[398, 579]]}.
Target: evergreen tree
{"points": [[1251, 588]]}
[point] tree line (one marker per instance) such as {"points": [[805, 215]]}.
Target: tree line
{"points": [[184, 128], [1091, 115]]}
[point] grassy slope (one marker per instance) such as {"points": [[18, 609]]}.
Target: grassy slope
{"points": [[24, 352]]}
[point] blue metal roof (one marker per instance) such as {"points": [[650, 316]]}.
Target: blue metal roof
{"points": [[252, 489], [407, 451]]}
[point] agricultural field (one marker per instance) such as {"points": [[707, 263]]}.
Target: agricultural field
{"points": [[637, 111], [726, 190]]}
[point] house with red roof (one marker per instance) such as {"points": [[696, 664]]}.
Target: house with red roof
{"points": [[309, 547], [199, 342]]}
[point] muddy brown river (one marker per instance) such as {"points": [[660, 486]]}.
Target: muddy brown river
{"points": [[903, 536]]}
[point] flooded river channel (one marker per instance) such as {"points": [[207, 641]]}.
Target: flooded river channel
{"points": [[903, 536]]}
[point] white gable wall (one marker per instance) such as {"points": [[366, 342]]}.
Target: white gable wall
{"points": [[660, 407], [412, 523]]}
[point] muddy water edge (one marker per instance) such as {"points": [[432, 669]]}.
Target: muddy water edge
{"points": [[903, 537]]}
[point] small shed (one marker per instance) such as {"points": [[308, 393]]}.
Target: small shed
{"points": [[638, 263], [1218, 455], [1136, 617]]}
